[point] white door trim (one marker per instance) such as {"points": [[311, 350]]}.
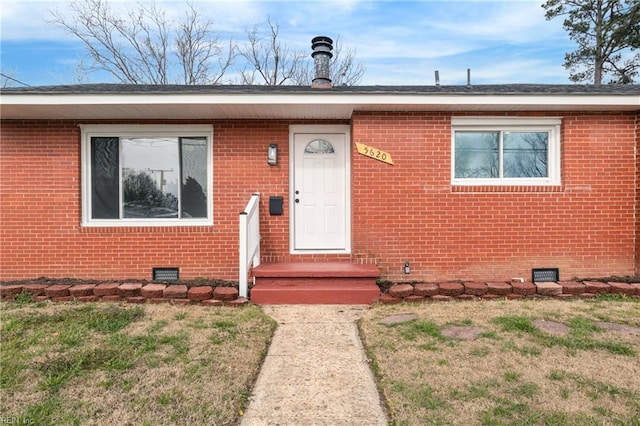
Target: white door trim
{"points": [[320, 129]]}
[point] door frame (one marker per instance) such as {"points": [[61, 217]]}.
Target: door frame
{"points": [[343, 129]]}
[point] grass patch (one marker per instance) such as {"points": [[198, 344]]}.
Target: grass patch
{"points": [[515, 323], [513, 373], [414, 329], [112, 364], [581, 337]]}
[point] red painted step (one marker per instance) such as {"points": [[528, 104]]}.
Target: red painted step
{"points": [[315, 283]]}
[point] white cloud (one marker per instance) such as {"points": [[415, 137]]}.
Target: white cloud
{"points": [[399, 42]]}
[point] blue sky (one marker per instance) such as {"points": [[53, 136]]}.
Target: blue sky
{"points": [[398, 42]]}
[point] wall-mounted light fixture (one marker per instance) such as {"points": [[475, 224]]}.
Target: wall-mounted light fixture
{"points": [[272, 155], [406, 268]]}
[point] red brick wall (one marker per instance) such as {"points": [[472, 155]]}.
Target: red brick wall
{"points": [[40, 180], [407, 211], [637, 227], [410, 211]]}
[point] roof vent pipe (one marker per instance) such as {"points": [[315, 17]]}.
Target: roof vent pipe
{"points": [[469, 77], [322, 47], [437, 78]]}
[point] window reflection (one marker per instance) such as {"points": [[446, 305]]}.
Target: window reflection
{"points": [[150, 177], [525, 154], [501, 154], [476, 154], [319, 146]]}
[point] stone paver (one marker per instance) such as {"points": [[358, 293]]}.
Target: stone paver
{"points": [[129, 290], [106, 289], [572, 287], [389, 300], [623, 288], [9, 290], [225, 293], [401, 290], [235, 303], [200, 293], [451, 289], [475, 288], [596, 287], [316, 371], [499, 288], [34, 289], [524, 289], [58, 290], [426, 290], [153, 291], [82, 290], [549, 289], [176, 291], [619, 328], [551, 327]]}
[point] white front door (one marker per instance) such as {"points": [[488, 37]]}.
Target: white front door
{"points": [[320, 191]]}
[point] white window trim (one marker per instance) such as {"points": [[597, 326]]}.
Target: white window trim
{"points": [[142, 130], [545, 124]]}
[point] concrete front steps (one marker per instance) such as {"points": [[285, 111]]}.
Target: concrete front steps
{"points": [[315, 283]]}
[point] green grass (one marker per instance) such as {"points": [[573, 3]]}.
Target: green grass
{"points": [[581, 337], [426, 397], [516, 324], [118, 364], [415, 329], [512, 373]]}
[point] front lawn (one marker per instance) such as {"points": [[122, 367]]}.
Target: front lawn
{"points": [[584, 370], [97, 364]]}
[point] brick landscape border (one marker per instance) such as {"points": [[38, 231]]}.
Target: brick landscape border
{"points": [[181, 294], [178, 294], [443, 292]]}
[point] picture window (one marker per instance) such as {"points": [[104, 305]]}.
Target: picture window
{"points": [[147, 175], [518, 151]]}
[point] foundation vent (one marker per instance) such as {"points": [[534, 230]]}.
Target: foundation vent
{"points": [[166, 274], [545, 275]]}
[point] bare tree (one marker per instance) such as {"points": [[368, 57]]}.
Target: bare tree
{"points": [[7, 79], [526, 154], [270, 61], [142, 46]]}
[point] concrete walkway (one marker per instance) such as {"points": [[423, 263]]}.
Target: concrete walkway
{"points": [[316, 371]]}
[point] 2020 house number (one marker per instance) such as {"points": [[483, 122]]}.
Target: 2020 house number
{"points": [[374, 153]]}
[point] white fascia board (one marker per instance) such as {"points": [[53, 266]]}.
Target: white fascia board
{"points": [[355, 101]]}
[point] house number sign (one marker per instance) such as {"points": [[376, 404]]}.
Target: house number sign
{"points": [[374, 153]]}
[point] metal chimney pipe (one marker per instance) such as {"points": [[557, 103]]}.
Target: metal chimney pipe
{"points": [[321, 54]]}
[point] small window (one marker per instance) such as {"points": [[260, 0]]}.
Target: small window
{"points": [[319, 146], [505, 151], [147, 175]]}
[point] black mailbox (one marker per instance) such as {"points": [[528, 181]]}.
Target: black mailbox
{"points": [[276, 206]]}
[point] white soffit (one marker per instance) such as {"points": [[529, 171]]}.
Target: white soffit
{"points": [[288, 106]]}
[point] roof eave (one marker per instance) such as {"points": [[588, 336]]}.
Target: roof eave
{"points": [[289, 106]]}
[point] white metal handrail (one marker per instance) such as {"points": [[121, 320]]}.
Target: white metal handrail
{"points": [[249, 241]]}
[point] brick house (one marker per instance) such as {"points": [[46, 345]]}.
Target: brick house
{"points": [[424, 183]]}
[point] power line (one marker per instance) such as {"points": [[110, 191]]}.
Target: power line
{"points": [[13, 79]]}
